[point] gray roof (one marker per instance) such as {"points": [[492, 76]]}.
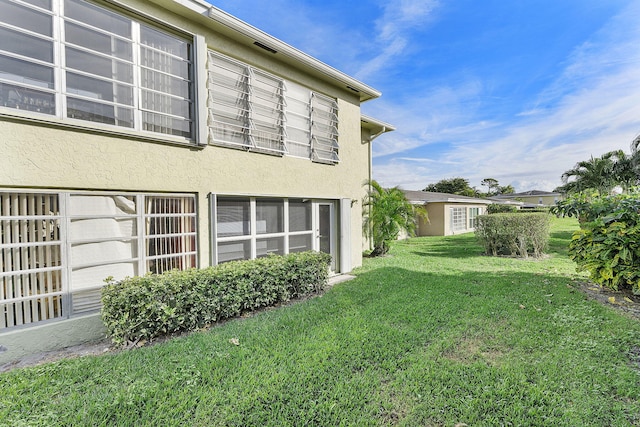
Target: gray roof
{"points": [[526, 193], [431, 197]]}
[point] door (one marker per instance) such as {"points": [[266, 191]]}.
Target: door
{"points": [[326, 230]]}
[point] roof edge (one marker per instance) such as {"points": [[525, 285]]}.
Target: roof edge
{"points": [[368, 119], [366, 92]]}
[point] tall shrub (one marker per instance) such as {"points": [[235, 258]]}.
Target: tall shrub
{"points": [[516, 234], [607, 245]]}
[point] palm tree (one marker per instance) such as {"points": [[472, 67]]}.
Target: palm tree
{"points": [[596, 173], [387, 213], [625, 169]]}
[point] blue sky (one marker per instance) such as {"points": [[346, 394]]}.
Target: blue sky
{"points": [[518, 91]]}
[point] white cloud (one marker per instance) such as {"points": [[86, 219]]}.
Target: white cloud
{"points": [[398, 19], [591, 108]]}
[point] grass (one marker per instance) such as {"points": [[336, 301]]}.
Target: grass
{"points": [[433, 335]]}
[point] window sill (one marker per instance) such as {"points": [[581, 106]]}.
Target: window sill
{"points": [[92, 127]]}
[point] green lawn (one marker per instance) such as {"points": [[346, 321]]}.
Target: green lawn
{"points": [[433, 335]]}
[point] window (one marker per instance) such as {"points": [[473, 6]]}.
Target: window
{"points": [[312, 125], [324, 129], [300, 225], [246, 106], [111, 69], [253, 227], [473, 217], [103, 235], [458, 219], [298, 121], [255, 111]]}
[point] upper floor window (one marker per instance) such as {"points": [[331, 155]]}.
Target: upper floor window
{"points": [[256, 111], [77, 60], [246, 106], [312, 124]]}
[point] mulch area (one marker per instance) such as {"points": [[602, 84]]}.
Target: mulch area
{"points": [[623, 301]]}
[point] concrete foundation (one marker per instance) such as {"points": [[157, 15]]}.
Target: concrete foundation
{"points": [[20, 343]]}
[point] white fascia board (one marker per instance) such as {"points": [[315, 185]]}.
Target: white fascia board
{"points": [[460, 201], [199, 6], [467, 201], [369, 122]]}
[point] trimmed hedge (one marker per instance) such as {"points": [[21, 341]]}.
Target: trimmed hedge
{"points": [[149, 306], [515, 234], [495, 208]]}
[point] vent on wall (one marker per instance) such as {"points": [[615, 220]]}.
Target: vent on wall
{"points": [[265, 47]]}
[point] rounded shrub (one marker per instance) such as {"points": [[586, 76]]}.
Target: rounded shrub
{"points": [[515, 234]]}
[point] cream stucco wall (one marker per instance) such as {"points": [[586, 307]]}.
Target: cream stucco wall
{"points": [[436, 220], [440, 219], [50, 154], [546, 200], [43, 156]]}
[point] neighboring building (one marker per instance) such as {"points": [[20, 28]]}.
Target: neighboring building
{"points": [[447, 213], [142, 136], [531, 199]]}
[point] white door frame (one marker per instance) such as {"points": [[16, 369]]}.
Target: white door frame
{"points": [[332, 229]]}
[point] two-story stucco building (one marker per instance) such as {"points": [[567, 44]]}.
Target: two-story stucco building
{"points": [[141, 136]]}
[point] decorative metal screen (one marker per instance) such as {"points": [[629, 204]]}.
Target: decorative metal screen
{"points": [[170, 233], [30, 258], [56, 249]]}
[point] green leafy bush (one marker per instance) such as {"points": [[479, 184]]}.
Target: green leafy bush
{"points": [[608, 242], [152, 305], [578, 205], [515, 234], [495, 208]]}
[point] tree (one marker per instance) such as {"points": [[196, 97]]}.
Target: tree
{"points": [[452, 186], [491, 184], [597, 173], [506, 189], [625, 170], [387, 213]]}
